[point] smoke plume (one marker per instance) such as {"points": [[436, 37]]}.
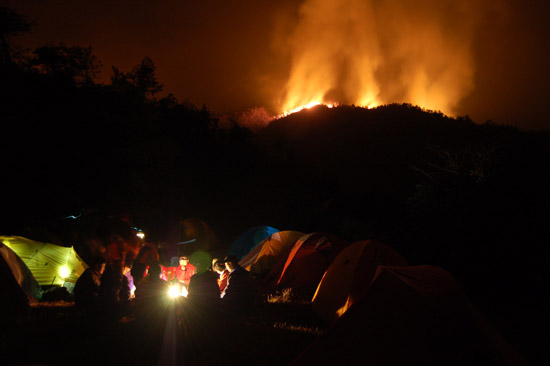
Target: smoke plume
{"points": [[373, 52]]}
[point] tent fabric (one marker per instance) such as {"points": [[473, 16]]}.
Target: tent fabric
{"points": [[413, 315], [249, 239], [21, 273], [349, 276], [15, 303], [306, 263], [270, 280], [46, 260], [189, 235], [263, 257]]}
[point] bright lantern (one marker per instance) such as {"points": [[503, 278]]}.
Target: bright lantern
{"points": [[64, 272]]}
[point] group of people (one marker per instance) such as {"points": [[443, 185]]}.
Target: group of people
{"points": [[108, 287], [225, 285], [238, 288]]}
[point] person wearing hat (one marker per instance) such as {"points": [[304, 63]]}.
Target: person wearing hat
{"points": [[240, 293]]}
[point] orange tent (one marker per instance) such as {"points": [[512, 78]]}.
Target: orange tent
{"points": [[412, 315], [349, 276], [263, 257], [306, 263]]}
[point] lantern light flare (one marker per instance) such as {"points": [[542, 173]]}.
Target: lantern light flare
{"points": [[64, 271], [177, 290], [139, 233]]}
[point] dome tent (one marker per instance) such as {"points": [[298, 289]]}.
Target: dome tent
{"points": [[187, 236], [249, 239], [349, 276], [413, 315], [50, 264], [263, 257], [306, 264], [14, 269]]}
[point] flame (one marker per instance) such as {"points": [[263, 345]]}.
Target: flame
{"points": [[369, 53], [305, 106]]}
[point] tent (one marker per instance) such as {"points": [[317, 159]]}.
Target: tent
{"points": [[349, 276], [21, 273], [188, 236], [50, 264], [263, 257], [249, 239], [412, 315], [15, 269], [306, 263], [15, 303]]}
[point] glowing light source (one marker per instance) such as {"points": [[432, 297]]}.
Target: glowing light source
{"points": [[174, 291], [64, 271], [306, 106], [140, 235], [342, 54], [177, 290]]}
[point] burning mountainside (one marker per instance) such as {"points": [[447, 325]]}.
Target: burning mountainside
{"points": [[368, 53]]}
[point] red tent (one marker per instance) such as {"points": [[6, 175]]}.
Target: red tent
{"points": [[349, 276], [412, 315], [307, 261]]}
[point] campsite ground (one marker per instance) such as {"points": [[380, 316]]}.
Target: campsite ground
{"points": [[275, 333], [55, 333]]}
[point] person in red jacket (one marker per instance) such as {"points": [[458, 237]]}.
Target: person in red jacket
{"points": [[185, 271], [222, 272]]}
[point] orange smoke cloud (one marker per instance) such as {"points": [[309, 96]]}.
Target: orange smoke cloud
{"points": [[368, 53]]}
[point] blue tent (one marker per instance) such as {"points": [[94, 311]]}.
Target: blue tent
{"points": [[249, 239]]}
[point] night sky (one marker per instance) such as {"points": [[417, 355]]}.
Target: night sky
{"points": [[484, 59]]}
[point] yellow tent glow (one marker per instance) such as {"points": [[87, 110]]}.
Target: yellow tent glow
{"points": [[50, 264]]}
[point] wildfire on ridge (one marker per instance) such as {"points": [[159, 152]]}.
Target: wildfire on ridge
{"points": [[369, 53], [305, 106], [314, 104]]}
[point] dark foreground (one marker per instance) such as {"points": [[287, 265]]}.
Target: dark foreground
{"points": [[273, 334], [59, 335]]}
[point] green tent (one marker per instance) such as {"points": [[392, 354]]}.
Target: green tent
{"points": [[50, 264]]}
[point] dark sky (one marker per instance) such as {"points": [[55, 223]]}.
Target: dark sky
{"points": [[486, 59]]}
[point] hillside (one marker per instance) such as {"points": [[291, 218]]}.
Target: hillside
{"points": [[467, 197], [470, 198]]}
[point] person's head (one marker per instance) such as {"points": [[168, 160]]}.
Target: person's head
{"points": [[218, 266], [184, 260], [138, 271], [127, 266], [154, 270], [99, 265], [231, 262]]}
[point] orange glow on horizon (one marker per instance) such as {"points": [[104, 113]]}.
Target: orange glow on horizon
{"points": [[306, 106], [369, 53]]}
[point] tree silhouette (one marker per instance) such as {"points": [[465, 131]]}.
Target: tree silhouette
{"points": [[72, 63], [141, 80], [11, 24]]}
